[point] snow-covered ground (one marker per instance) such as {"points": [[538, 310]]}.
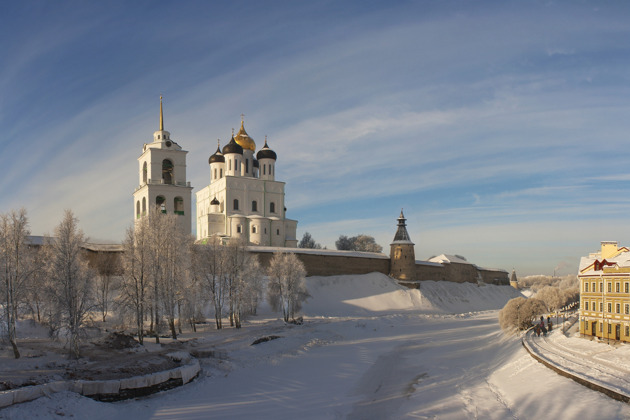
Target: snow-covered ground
{"points": [[368, 350]]}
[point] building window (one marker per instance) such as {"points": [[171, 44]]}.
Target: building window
{"points": [[618, 308], [586, 305], [593, 287], [601, 287], [265, 231], [609, 328], [586, 287], [144, 173], [254, 205], [220, 173], [253, 229], [160, 201], [627, 330], [239, 229], [215, 173], [265, 169], [617, 290], [272, 207], [144, 205], [167, 171], [601, 307], [601, 327], [627, 309], [236, 204], [610, 308], [609, 287], [138, 208], [179, 206], [278, 232], [626, 287], [246, 166]]}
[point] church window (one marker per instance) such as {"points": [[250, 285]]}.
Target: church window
{"points": [[236, 164], [160, 201], [236, 204], [144, 173], [265, 231], [167, 171], [253, 229], [265, 169], [239, 229], [220, 173], [246, 166], [254, 205], [215, 173], [179, 206], [138, 208], [144, 205], [278, 232], [272, 207]]}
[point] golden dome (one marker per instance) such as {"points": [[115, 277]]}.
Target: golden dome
{"points": [[243, 139]]}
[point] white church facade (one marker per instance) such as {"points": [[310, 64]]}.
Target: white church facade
{"points": [[162, 178], [243, 199]]}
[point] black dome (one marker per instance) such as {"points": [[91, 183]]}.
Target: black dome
{"points": [[233, 147], [217, 157], [214, 202], [266, 153]]}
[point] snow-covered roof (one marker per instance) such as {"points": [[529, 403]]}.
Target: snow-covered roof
{"points": [[447, 259], [620, 260]]}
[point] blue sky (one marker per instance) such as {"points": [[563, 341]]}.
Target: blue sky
{"points": [[502, 128]]}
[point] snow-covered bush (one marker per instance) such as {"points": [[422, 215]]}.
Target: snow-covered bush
{"points": [[519, 313]]}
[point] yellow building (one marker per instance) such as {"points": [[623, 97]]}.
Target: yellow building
{"points": [[605, 293]]}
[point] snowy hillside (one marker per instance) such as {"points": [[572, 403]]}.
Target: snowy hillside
{"points": [[368, 349], [356, 295]]}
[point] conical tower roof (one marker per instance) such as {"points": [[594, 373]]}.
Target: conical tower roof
{"points": [[402, 236]]}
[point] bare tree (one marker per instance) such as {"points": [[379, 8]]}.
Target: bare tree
{"points": [[243, 279], [135, 279], [15, 269], [105, 265], [70, 279], [286, 289], [307, 241], [209, 267]]}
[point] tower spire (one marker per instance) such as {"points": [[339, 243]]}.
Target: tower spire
{"points": [[161, 115]]}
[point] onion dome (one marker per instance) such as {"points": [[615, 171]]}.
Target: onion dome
{"points": [[214, 202], [217, 157], [266, 153], [243, 139], [232, 147]]}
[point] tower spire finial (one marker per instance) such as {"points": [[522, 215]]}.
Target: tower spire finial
{"points": [[161, 115]]}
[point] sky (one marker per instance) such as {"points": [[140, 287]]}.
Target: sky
{"points": [[500, 127]]}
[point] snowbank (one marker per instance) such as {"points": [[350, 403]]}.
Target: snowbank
{"points": [[358, 295]]}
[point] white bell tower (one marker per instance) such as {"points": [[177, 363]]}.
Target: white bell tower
{"points": [[162, 178]]}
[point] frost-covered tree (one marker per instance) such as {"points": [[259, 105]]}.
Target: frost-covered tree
{"points": [[286, 289], [105, 267], [307, 241], [135, 278], [360, 242], [551, 296], [15, 268], [70, 287], [209, 266], [519, 313], [244, 281]]}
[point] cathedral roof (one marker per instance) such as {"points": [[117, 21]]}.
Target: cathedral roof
{"points": [[233, 147], [217, 156], [244, 140], [266, 153]]}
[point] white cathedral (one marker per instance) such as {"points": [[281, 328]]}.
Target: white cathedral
{"points": [[243, 199]]}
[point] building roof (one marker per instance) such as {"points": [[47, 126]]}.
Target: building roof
{"points": [[402, 236], [266, 153], [244, 140]]}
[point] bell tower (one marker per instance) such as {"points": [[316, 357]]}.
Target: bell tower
{"points": [[162, 178], [402, 255]]}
